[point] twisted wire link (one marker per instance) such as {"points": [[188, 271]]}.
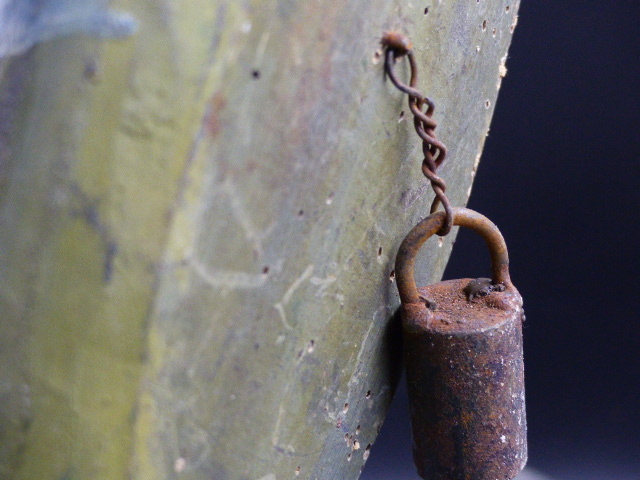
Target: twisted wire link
{"points": [[434, 150]]}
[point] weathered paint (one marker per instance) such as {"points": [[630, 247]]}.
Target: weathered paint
{"points": [[190, 221]]}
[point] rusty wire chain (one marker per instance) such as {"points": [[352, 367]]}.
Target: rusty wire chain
{"points": [[435, 152]]}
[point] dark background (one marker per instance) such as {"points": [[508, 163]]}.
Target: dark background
{"points": [[559, 176]]}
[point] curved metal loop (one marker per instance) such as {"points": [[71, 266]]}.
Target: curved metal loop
{"points": [[463, 217], [434, 151]]}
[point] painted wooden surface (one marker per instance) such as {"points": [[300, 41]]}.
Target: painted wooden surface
{"points": [[198, 225]]}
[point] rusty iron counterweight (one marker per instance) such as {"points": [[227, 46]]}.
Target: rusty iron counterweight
{"points": [[462, 338], [463, 355]]}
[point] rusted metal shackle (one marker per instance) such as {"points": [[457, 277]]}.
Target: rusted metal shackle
{"points": [[463, 354], [463, 217]]}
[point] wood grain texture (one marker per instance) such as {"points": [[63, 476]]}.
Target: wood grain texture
{"points": [[198, 226]]}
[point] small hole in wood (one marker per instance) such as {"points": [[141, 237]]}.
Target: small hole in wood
{"points": [[346, 408], [507, 8], [392, 275], [426, 10], [90, 70], [484, 25], [368, 395], [487, 104], [380, 251], [301, 213], [401, 116], [255, 74], [265, 270]]}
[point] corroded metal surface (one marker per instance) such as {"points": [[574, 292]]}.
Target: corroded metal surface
{"points": [[464, 361], [426, 228], [466, 384]]}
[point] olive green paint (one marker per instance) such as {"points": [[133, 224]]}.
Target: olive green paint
{"points": [[198, 226]]}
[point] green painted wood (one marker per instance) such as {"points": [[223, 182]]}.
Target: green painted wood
{"points": [[198, 225]]}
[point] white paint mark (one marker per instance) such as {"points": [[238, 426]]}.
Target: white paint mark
{"points": [[474, 170], [287, 295], [297, 282], [323, 284], [179, 465], [502, 71], [382, 259], [283, 316], [503, 439], [228, 279], [411, 197], [276, 430], [476, 162], [275, 438], [252, 233], [269, 476], [513, 24], [245, 27]]}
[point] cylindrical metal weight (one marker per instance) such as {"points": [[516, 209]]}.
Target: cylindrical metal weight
{"points": [[463, 353], [466, 384]]}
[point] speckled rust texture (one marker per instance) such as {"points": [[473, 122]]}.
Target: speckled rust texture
{"points": [[466, 383]]}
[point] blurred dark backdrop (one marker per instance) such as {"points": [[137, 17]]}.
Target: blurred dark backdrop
{"points": [[559, 176]]}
